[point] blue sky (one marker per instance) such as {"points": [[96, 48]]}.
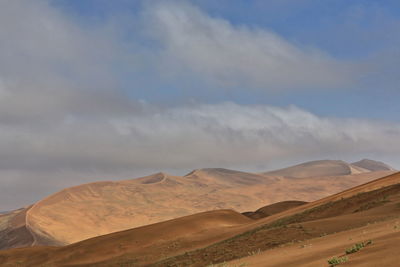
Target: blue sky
{"points": [[347, 30], [100, 90]]}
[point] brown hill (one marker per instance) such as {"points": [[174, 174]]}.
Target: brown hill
{"points": [[106, 207], [369, 211]]}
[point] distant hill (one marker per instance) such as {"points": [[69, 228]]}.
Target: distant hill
{"points": [[372, 165], [100, 208], [320, 168]]}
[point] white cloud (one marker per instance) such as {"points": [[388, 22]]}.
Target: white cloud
{"points": [[225, 134], [237, 55]]}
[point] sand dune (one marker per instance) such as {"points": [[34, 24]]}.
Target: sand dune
{"points": [[106, 207], [369, 211], [372, 165], [325, 168], [273, 209]]}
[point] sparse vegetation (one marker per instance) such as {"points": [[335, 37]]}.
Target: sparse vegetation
{"points": [[358, 246], [373, 204], [337, 260]]}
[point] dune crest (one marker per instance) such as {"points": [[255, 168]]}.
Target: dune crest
{"points": [[312, 232], [320, 168], [100, 208]]}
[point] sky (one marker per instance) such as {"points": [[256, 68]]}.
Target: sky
{"points": [[107, 90]]}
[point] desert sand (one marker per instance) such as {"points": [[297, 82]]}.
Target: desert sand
{"points": [[313, 232], [100, 208]]}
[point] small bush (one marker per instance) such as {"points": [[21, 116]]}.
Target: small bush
{"points": [[337, 260], [358, 246]]}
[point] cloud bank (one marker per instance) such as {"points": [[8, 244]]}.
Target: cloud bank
{"points": [[79, 149]]}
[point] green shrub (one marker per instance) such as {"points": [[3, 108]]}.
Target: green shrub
{"points": [[358, 246], [337, 260]]}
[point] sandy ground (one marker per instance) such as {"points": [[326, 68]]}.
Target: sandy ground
{"points": [[383, 252]]}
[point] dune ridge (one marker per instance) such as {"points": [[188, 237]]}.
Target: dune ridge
{"points": [[218, 236], [111, 206]]}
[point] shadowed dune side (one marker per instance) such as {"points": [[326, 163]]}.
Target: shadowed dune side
{"points": [[15, 232], [12, 225], [273, 209], [372, 165], [229, 177]]}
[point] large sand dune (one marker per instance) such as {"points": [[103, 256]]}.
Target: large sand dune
{"points": [[94, 209], [306, 235]]}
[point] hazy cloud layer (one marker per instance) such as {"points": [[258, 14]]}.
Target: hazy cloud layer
{"points": [[78, 149], [63, 120], [237, 56]]}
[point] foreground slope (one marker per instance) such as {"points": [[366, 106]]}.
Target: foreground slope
{"points": [[383, 251], [373, 202], [106, 207], [147, 243], [220, 236]]}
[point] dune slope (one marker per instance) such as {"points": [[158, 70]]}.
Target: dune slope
{"points": [[218, 236], [106, 207], [273, 209], [320, 168]]}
